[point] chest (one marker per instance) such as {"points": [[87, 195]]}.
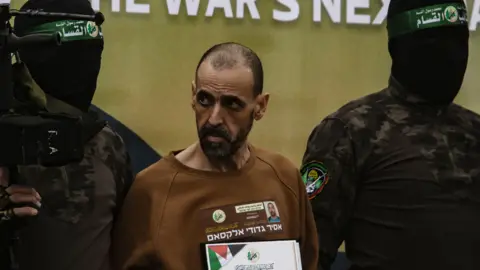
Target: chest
{"points": [[71, 193], [438, 155], [199, 212]]}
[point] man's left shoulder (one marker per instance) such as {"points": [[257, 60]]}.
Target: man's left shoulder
{"points": [[107, 136], [275, 159], [107, 145], [285, 169], [465, 115]]}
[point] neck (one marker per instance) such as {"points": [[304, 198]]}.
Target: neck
{"points": [[195, 158], [236, 162], [409, 96]]}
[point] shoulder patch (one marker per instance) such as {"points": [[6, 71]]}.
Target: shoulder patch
{"points": [[315, 177]]}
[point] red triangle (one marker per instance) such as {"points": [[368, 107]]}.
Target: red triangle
{"points": [[220, 250]]}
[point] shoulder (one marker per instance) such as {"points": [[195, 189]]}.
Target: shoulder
{"points": [[357, 113], [356, 119], [159, 170], [465, 115], [107, 145], [157, 177], [107, 137], [275, 160], [284, 169], [347, 132]]}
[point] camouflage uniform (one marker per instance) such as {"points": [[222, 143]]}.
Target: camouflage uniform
{"points": [[79, 201], [399, 181]]}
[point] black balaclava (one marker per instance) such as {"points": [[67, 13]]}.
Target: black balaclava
{"points": [[429, 63], [68, 72]]}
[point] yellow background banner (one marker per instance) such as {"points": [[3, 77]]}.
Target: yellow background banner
{"points": [[311, 68], [314, 63]]}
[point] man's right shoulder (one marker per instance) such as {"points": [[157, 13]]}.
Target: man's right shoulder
{"points": [[156, 176], [352, 124], [357, 113], [361, 107]]}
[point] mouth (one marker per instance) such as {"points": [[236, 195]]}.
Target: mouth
{"points": [[215, 139]]}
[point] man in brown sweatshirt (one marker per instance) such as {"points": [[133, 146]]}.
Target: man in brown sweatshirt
{"points": [[220, 189]]}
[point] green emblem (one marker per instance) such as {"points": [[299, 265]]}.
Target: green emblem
{"points": [[219, 216], [253, 255], [451, 14], [315, 177], [92, 29]]}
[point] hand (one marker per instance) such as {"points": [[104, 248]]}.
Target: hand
{"points": [[18, 195]]}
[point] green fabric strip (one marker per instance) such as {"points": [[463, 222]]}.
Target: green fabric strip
{"points": [[427, 17], [70, 30]]}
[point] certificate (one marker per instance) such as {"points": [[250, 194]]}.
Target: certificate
{"points": [[277, 255]]}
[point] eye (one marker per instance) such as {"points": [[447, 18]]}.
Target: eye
{"points": [[234, 106], [233, 103], [204, 99]]}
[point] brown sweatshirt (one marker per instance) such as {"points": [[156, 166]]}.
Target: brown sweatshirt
{"points": [[172, 210]]}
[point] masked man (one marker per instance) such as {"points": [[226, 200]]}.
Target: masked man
{"points": [[217, 188], [78, 201], [396, 174]]}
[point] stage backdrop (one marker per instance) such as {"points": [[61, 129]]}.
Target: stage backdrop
{"points": [[317, 54]]}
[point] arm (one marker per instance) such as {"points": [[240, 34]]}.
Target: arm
{"points": [[118, 160], [135, 230], [329, 172], [308, 234], [122, 170]]}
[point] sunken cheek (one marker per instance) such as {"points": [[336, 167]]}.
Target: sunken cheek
{"points": [[231, 119], [202, 114]]}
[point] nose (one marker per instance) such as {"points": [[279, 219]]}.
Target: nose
{"points": [[216, 117]]}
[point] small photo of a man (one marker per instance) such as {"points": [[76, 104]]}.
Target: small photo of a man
{"points": [[272, 212]]}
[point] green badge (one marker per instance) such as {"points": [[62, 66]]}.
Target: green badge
{"points": [[219, 216], [253, 255], [315, 177], [92, 29]]}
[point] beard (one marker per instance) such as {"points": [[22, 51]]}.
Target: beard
{"points": [[221, 154]]}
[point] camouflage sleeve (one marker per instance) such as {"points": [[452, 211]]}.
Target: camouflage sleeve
{"points": [[125, 178], [123, 171], [328, 171]]}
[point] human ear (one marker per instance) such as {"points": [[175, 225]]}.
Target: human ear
{"points": [[261, 106]]}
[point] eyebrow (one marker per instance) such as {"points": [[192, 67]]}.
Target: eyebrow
{"points": [[203, 91]]}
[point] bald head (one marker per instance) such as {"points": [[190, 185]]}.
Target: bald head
{"points": [[232, 55]]}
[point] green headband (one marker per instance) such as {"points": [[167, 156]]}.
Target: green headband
{"points": [[70, 30], [427, 17]]}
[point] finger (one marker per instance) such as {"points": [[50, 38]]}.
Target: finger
{"points": [[14, 189], [25, 212], [24, 198]]}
